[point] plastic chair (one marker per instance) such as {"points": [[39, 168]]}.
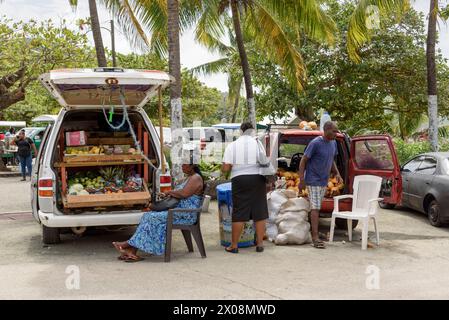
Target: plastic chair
{"points": [[364, 206], [187, 231]]}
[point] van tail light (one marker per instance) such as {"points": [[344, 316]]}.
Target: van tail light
{"points": [[165, 183], [45, 187], [203, 144]]}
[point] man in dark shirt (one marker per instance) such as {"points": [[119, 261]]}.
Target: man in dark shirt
{"points": [[317, 163], [25, 145]]}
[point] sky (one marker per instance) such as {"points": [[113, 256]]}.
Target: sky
{"points": [[191, 53]]}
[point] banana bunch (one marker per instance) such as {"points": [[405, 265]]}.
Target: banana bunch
{"points": [[96, 150]]}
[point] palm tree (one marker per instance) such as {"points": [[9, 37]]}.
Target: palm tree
{"points": [[432, 75], [96, 31], [229, 63], [174, 67], [266, 23]]}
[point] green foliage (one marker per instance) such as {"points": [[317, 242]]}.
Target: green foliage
{"points": [[386, 92], [407, 150], [36, 48], [210, 171]]}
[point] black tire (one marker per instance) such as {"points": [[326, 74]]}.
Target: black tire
{"points": [[389, 206], [434, 213], [50, 235], [343, 223]]}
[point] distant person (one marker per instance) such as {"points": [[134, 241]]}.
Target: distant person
{"points": [[10, 133], [25, 145], [317, 163], [249, 198]]}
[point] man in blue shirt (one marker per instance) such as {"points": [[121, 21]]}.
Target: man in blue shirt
{"points": [[317, 163]]}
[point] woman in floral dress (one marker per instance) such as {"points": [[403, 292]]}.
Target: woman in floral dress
{"points": [[151, 233]]}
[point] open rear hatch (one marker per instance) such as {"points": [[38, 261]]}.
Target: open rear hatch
{"points": [[102, 86]]}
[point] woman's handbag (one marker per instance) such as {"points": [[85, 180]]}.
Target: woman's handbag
{"points": [[165, 204], [266, 168]]}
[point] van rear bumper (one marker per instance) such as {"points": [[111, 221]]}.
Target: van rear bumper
{"points": [[65, 221]]}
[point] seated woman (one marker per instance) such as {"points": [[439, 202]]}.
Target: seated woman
{"points": [[151, 233]]}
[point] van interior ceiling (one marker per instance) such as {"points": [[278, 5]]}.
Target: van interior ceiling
{"points": [[100, 133]]}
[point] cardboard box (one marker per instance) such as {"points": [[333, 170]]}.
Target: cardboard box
{"points": [[75, 138]]}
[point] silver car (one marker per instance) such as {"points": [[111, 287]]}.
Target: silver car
{"points": [[425, 188]]}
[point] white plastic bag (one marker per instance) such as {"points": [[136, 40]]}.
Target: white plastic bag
{"points": [[275, 200], [292, 222]]}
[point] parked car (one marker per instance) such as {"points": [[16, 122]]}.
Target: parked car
{"points": [[86, 97], [373, 154], [425, 186]]}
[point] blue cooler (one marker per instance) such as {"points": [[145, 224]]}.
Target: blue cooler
{"points": [[224, 199]]}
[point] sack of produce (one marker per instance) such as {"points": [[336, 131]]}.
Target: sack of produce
{"points": [[275, 200], [292, 222]]}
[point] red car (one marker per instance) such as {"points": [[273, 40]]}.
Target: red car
{"points": [[372, 154]]}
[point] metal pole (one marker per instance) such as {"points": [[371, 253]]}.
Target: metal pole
{"points": [[161, 130], [114, 62]]}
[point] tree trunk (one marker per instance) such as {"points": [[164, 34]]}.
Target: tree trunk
{"points": [[96, 31], [432, 76], [174, 67], [245, 64], [236, 104]]}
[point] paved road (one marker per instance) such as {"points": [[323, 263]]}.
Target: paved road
{"points": [[411, 262]]}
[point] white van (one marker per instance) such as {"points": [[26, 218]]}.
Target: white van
{"points": [[106, 106]]}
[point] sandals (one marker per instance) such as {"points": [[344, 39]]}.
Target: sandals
{"points": [[133, 259], [259, 249], [319, 244], [232, 250]]}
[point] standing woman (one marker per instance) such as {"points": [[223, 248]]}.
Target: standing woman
{"points": [[25, 145], [249, 196]]}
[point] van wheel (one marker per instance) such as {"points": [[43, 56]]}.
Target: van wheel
{"points": [[384, 205], [434, 213], [50, 235], [343, 223]]}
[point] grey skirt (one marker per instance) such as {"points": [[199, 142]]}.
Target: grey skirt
{"points": [[249, 198]]}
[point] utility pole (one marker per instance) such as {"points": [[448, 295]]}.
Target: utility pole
{"points": [[114, 62]]}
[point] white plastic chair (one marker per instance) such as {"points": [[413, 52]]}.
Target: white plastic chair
{"points": [[365, 206]]}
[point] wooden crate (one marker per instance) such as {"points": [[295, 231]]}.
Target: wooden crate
{"points": [[111, 141], [103, 158], [108, 200]]}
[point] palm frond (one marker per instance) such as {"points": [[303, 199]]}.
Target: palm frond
{"points": [[359, 32], [269, 36], [213, 67], [210, 27], [308, 15], [136, 18], [73, 4]]}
